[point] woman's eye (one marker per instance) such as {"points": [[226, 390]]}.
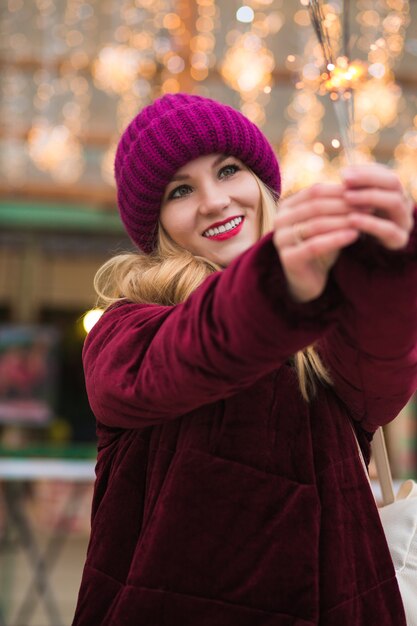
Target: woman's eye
{"points": [[228, 170], [179, 192]]}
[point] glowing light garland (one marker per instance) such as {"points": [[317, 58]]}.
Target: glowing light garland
{"points": [[116, 68], [248, 64], [55, 150], [151, 47], [202, 45], [53, 140]]}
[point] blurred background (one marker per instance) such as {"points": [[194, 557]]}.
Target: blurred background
{"points": [[72, 75]]}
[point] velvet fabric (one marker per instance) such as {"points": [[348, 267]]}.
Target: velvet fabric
{"points": [[223, 498]]}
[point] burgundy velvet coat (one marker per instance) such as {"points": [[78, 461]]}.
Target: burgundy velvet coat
{"points": [[222, 497]]}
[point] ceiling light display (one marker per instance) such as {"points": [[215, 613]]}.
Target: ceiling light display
{"points": [[248, 64], [55, 150], [93, 65], [116, 68]]}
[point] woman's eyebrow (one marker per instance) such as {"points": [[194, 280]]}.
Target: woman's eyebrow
{"points": [[179, 177], [219, 160]]}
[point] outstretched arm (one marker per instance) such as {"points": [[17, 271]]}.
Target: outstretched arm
{"points": [[147, 363], [372, 351]]}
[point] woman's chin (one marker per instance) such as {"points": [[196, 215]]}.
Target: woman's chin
{"points": [[228, 252]]}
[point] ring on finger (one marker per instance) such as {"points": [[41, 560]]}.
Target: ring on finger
{"points": [[297, 230]]}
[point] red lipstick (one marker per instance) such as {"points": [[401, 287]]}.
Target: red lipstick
{"points": [[227, 234]]}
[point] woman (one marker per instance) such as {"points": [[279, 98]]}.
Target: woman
{"points": [[226, 376]]}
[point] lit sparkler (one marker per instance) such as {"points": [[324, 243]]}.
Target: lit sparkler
{"points": [[341, 76]]}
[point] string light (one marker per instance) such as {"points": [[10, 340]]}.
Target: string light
{"points": [[130, 51], [55, 150], [116, 68], [248, 64], [377, 96], [53, 143], [203, 43]]}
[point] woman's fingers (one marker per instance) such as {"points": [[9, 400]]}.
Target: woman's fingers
{"points": [[390, 204], [311, 228], [371, 175], [306, 265], [386, 231], [315, 192], [316, 223], [376, 186], [308, 210], [301, 232], [319, 247]]}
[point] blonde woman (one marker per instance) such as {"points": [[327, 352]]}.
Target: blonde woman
{"points": [[239, 346]]}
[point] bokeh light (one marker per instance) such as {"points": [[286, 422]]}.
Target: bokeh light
{"points": [[88, 57], [91, 318], [245, 14]]}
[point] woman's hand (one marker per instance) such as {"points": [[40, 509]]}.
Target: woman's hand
{"points": [[378, 203], [311, 228], [313, 225]]}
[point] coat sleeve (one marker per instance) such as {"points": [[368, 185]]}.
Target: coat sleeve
{"points": [[372, 352], [145, 364]]}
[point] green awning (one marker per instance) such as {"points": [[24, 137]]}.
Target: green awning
{"points": [[44, 216]]}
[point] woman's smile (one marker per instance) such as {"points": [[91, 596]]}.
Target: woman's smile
{"points": [[225, 229]]}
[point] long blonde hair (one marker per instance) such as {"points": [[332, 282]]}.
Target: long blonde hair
{"points": [[170, 274]]}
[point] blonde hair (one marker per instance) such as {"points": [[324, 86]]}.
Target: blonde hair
{"points": [[171, 273]]}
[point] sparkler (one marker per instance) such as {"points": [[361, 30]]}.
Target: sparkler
{"points": [[341, 76]]}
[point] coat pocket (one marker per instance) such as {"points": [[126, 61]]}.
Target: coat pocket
{"points": [[224, 530]]}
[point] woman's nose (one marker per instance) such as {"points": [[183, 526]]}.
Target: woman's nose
{"points": [[213, 200]]}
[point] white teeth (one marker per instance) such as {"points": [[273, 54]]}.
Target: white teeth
{"points": [[211, 232]]}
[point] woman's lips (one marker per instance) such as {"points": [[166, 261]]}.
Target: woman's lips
{"points": [[228, 234]]}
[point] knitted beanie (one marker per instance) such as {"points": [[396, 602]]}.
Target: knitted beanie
{"points": [[166, 135]]}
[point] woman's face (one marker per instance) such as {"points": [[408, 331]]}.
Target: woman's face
{"points": [[211, 207]]}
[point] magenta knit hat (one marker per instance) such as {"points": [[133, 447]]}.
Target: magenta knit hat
{"points": [[166, 135]]}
